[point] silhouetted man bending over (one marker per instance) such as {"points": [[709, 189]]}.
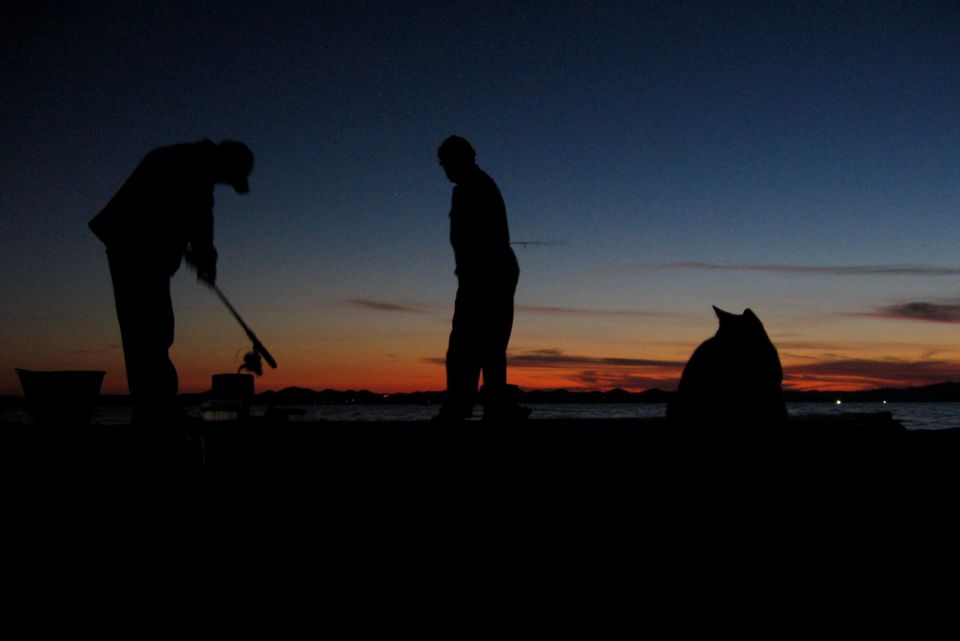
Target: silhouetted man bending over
{"points": [[162, 214], [487, 274]]}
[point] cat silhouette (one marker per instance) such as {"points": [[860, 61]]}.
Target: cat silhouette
{"points": [[732, 381]]}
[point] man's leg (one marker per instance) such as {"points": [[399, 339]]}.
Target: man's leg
{"points": [[145, 313], [463, 363], [498, 326]]}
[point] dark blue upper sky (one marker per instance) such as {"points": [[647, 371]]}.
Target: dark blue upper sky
{"points": [[637, 134]]}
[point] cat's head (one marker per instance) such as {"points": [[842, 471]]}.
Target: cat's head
{"points": [[743, 324]]}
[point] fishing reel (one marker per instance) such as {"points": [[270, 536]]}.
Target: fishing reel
{"points": [[251, 360], [252, 363]]}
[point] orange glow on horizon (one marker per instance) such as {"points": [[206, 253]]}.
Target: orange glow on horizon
{"points": [[841, 385], [384, 365], [433, 380]]}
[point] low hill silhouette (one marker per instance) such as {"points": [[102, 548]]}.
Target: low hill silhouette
{"points": [[947, 392], [938, 393]]}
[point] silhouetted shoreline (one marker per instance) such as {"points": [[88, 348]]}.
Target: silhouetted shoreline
{"points": [[378, 451], [948, 392]]}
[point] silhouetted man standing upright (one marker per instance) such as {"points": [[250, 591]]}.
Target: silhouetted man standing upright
{"points": [[162, 214], [487, 274]]}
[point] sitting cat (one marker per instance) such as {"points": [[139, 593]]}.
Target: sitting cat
{"points": [[732, 381]]}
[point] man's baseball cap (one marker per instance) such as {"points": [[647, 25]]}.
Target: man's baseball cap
{"points": [[239, 159]]}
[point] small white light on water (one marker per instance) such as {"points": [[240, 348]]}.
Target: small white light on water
{"points": [[839, 402]]}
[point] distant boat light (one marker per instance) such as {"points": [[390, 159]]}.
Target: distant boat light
{"points": [[839, 402]]}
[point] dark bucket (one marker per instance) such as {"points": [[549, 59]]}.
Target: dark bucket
{"points": [[61, 397], [230, 398]]}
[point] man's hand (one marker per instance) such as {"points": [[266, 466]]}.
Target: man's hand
{"points": [[205, 263], [208, 273]]}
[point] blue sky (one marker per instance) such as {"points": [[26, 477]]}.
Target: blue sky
{"points": [[660, 147]]}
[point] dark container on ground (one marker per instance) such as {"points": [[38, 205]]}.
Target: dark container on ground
{"points": [[66, 397], [230, 398]]}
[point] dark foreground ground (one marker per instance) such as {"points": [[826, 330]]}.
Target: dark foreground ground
{"points": [[388, 449], [350, 505]]}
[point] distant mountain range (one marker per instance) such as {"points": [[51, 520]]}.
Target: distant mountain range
{"points": [[941, 392], [938, 393]]}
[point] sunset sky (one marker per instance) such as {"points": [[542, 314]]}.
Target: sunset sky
{"points": [[798, 158]]}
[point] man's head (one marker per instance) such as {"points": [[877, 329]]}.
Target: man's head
{"points": [[457, 157], [234, 162]]}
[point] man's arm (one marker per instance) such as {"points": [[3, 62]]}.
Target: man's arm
{"points": [[200, 253]]}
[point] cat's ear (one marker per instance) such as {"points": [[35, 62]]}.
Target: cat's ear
{"points": [[752, 318], [722, 314], [725, 318]]}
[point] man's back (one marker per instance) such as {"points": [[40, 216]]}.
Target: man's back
{"points": [[479, 231], [164, 204]]}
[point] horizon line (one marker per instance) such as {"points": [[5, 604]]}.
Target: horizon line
{"points": [[568, 390]]}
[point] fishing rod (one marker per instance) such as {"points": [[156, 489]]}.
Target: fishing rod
{"points": [[258, 348]]}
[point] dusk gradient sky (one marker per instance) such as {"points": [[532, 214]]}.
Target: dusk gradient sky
{"points": [[798, 158]]}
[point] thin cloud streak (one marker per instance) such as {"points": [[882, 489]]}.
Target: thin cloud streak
{"points": [[600, 380], [602, 372], [558, 359], [383, 306], [593, 372], [918, 311], [853, 270], [537, 243], [866, 373], [581, 311]]}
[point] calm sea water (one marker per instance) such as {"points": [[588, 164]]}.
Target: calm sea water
{"points": [[925, 416]]}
